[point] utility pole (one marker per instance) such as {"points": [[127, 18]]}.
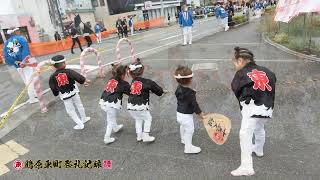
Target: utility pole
{"points": [[162, 14], [59, 15]]}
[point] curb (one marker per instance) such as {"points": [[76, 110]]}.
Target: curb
{"points": [[289, 51]]}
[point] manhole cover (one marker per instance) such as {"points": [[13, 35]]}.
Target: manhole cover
{"points": [[205, 66]]}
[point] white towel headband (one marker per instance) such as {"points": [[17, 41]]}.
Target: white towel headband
{"points": [[183, 77]]}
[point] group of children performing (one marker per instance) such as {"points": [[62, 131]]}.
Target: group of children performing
{"points": [[253, 86]]}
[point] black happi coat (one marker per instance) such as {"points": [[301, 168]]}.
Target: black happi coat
{"points": [[113, 93], [186, 101], [63, 83], [254, 87], [140, 93]]}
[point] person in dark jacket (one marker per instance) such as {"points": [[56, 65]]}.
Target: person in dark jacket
{"points": [[111, 99], [124, 26], [63, 83], [119, 28], [254, 87], [86, 33], [74, 36], [138, 101], [57, 36], [186, 105]]}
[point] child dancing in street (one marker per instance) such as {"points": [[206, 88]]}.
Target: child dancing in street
{"points": [[111, 100], [63, 83], [138, 102], [186, 106]]}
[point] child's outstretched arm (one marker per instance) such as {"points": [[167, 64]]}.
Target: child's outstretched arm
{"points": [[156, 89], [79, 78]]}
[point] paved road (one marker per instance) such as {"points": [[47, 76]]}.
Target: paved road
{"points": [[292, 145]]}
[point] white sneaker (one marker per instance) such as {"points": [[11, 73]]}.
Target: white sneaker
{"points": [[242, 172], [184, 44], [190, 43], [191, 149], [258, 154], [182, 141], [86, 120], [108, 140], [139, 137], [78, 126], [117, 128], [226, 28], [32, 100], [147, 138]]}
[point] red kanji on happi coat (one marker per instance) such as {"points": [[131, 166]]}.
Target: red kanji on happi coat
{"points": [[111, 85], [136, 87], [62, 79], [260, 80]]}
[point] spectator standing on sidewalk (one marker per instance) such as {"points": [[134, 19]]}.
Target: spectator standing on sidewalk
{"points": [[86, 33], [17, 54], [169, 19], [186, 22], [222, 16], [124, 26], [119, 27], [74, 36], [57, 36], [98, 30], [131, 25]]}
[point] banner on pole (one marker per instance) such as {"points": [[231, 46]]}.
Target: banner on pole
{"points": [[288, 9]]}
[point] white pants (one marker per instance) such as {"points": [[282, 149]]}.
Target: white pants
{"points": [[250, 126], [140, 117], [98, 37], [186, 126], [111, 121], [258, 13], [224, 23], [26, 75], [131, 29], [187, 34], [69, 105]]}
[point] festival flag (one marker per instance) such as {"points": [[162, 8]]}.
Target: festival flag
{"points": [[288, 9]]}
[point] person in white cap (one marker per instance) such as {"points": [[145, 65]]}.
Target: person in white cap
{"points": [[63, 83], [17, 54]]}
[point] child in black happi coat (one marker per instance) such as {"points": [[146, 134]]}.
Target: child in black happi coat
{"points": [[63, 83], [111, 99], [138, 102], [254, 86], [186, 105]]}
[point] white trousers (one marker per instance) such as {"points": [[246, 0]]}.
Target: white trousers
{"points": [[258, 13], [224, 23], [69, 105], [26, 75], [187, 34], [142, 118], [250, 126], [186, 127], [131, 29], [98, 37], [111, 121]]}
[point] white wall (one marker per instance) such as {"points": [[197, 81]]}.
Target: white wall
{"points": [[6, 7]]}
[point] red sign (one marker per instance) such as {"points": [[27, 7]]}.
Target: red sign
{"points": [[62, 79]]}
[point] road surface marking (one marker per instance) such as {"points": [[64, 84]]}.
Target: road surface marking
{"points": [[172, 37], [9, 152], [3, 169], [17, 147]]}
